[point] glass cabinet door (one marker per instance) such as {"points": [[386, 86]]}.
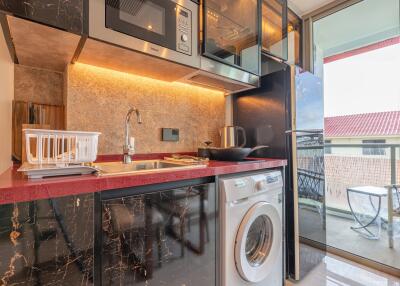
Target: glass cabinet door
{"points": [[294, 38], [274, 28], [231, 33]]}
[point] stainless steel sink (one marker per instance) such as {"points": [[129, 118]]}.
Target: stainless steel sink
{"points": [[139, 167]]}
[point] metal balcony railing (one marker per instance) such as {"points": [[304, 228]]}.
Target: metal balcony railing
{"points": [[384, 160], [390, 151]]}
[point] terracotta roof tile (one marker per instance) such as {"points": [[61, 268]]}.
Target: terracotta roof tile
{"points": [[367, 124]]}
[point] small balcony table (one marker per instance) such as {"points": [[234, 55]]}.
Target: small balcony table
{"points": [[379, 193]]}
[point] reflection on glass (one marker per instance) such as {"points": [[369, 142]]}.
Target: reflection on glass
{"points": [[310, 156], [310, 169], [161, 238], [154, 21], [232, 32], [259, 240], [144, 14], [309, 101], [311, 196], [311, 186], [47, 242], [274, 34]]}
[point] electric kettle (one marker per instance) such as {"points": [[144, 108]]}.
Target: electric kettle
{"points": [[230, 136]]}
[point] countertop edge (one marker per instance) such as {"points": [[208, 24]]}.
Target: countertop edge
{"points": [[19, 189]]}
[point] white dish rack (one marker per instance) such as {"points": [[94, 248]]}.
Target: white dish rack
{"points": [[44, 171], [60, 147]]}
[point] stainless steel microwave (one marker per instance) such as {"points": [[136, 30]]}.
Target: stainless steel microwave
{"points": [[164, 28]]}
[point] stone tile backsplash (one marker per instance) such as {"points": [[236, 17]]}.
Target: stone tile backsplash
{"points": [[37, 85], [97, 99]]}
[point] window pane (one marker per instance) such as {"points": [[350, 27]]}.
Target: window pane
{"points": [[374, 150], [328, 150]]}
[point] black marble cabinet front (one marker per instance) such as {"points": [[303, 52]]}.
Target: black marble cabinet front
{"points": [[66, 14], [47, 242], [156, 235], [163, 237]]}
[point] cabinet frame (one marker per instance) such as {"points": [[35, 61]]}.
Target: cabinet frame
{"points": [[284, 30], [203, 37]]}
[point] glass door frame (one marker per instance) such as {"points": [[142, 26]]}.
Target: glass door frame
{"points": [[308, 64], [307, 35]]}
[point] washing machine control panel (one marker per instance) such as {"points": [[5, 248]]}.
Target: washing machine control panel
{"points": [[238, 188], [273, 178], [240, 183], [266, 181]]}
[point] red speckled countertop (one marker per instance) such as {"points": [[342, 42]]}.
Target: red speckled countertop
{"points": [[14, 187]]}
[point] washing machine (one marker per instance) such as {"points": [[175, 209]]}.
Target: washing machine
{"points": [[251, 229]]}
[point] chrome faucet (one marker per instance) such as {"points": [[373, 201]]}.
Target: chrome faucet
{"points": [[128, 149]]}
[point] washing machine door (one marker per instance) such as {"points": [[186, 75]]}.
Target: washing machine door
{"points": [[258, 242]]}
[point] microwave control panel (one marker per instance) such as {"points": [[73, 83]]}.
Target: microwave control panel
{"points": [[183, 30]]}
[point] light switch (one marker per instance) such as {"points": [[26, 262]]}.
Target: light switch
{"points": [[170, 134]]}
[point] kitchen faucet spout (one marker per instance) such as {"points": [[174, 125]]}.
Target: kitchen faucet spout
{"points": [[129, 149]]}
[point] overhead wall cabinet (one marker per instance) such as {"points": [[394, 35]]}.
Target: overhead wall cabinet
{"points": [[274, 28], [281, 32], [231, 33], [294, 28], [65, 15]]}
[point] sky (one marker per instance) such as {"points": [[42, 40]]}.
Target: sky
{"points": [[309, 105], [368, 82]]}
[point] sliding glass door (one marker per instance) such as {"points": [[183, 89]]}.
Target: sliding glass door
{"points": [[357, 53]]}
